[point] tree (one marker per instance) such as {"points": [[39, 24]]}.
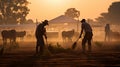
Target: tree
{"points": [[72, 12], [13, 11], [29, 21], [101, 19], [113, 14]]}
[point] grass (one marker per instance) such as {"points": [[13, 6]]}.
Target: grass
{"points": [[98, 44], [58, 49], [51, 50]]}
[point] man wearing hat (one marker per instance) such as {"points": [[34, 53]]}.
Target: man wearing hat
{"points": [[85, 27], [40, 32]]}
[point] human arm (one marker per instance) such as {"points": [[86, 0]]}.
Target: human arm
{"points": [[81, 31], [45, 36], [45, 33]]}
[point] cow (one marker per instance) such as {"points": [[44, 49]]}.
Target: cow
{"points": [[67, 35], [114, 35], [21, 34], [11, 35], [8, 34]]}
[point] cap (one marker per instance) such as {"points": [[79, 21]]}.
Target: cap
{"points": [[83, 20]]}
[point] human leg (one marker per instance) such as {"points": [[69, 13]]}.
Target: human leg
{"points": [[37, 47], [41, 49], [83, 44], [89, 42], [89, 46], [42, 44]]}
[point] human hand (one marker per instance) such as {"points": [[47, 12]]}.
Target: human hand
{"points": [[80, 36], [45, 37]]}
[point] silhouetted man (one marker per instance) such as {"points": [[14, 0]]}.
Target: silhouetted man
{"points": [[107, 32], [40, 32], [88, 35]]}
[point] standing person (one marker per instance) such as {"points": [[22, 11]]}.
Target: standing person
{"points": [[107, 32], [40, 32], [85, 27]]}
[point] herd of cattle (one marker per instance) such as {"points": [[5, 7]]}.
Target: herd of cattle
{"points": [[12, 35], [66, 35]]}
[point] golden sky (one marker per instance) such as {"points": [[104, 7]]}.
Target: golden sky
{"points": [[49, 9]]}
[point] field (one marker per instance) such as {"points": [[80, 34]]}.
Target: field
{"points": [[23, 54], [103, 54]]}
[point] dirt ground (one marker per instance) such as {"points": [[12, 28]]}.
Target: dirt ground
{"points": [[103, 54]]}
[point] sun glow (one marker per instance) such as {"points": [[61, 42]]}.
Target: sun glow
{"points": [[49, 9], [57, 2]]}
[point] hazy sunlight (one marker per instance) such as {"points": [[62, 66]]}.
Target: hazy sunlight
{"points": [[55, 1]]}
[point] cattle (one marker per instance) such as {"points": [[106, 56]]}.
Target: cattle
{"points": [[8, 34], [114, 36], [11, 35], [67, 35], [20, 34]]}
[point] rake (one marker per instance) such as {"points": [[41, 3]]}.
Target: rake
{"points": [[47, 52], [74, 45]]}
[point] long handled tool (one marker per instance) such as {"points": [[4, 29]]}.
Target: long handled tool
{"points": [[47, 52], [74, 45]]}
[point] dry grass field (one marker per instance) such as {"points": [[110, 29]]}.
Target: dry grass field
{"points": [[103, 54]]}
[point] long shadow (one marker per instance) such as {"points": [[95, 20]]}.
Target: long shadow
{"points": [[28, 61], [106, 59]]}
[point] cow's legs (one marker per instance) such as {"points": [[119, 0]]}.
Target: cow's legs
{"points": [[4, 41]]}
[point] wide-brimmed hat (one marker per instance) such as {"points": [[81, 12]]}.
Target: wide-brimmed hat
{"points": [[45, 22]]}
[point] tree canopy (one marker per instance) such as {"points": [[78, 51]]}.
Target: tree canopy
{"points": [[113, 14], [13, 11], [29, 21], [72, 12]]}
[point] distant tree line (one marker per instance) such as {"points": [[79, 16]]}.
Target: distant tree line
{"points": [[112, 16], [13, 11]]}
